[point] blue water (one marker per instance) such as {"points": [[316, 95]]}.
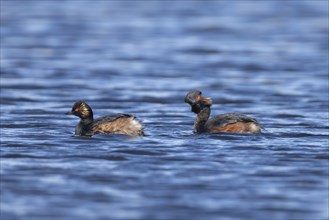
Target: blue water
{"points": [[266, 59]]}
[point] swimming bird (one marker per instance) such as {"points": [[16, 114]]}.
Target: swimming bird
{"points": [[111, 124], [230, 122]]}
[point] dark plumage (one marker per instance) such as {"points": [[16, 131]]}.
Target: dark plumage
{"points": [[231, 122], [111, 124]]}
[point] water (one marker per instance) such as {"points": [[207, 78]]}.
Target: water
{"points": [[266, 59]]}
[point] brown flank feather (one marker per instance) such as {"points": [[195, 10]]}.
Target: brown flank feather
{"points": [[119, 126], [238, 127]]}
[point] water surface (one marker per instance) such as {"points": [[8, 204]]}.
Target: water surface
{"points": [[265, 59]]}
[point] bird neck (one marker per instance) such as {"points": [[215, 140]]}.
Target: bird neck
{"points": [[87, 120], [202, 118]]}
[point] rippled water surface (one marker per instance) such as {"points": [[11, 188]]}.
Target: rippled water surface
{"points": [[266, 59]]}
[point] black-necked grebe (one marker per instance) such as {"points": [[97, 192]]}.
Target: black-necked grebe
{"points": [[111, 124], [231, 122]]}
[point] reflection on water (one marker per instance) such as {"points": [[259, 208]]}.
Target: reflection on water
{"points": [[266, 59]]}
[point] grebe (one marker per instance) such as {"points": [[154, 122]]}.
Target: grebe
{"points": [[231, 122], [111, 124]]}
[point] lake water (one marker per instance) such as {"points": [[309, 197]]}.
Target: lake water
{"points": [[266, 59]]}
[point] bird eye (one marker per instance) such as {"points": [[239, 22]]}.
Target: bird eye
{"points": [[76, 110]]}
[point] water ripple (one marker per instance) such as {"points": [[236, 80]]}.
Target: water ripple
{"points": [[269, 61]]}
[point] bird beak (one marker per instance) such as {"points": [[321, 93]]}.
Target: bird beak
{"points": [[68, 113], [189, 101]]}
